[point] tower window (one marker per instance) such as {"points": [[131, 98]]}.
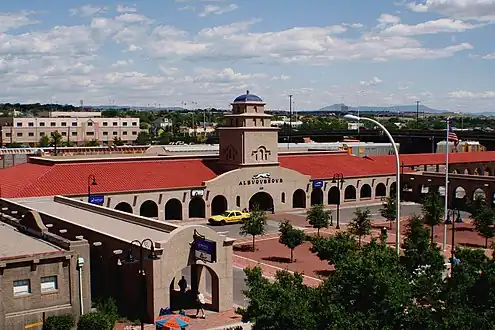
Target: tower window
{"points": [[238, 201], [255, 109], [283, 197], [254, 121], [262, 122]]}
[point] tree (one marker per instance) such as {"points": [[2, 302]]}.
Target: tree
{"points": [[474, 206], [318, 217], [56, 139], [44, 141], [335, 248], [432, 208], [91, 143], [254, 225], [291, 237], [143, 138], [284, 304], [389, 209], [117, 141], [361, 223], [484, 221]]}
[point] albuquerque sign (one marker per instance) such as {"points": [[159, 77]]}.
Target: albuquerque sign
{"points": [[261, 178]]}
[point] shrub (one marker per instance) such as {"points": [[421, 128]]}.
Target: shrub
{"points": [[94, 321], [59, 322], [109, 308]]}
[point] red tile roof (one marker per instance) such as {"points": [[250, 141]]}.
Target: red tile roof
{"points": [[324, 166], [439, 158], [30, 180]]}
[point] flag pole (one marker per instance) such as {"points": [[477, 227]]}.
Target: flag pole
{"points": [[446, 207]]}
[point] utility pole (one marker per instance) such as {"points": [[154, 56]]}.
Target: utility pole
{"points": [[290, 121], [417, 114]]}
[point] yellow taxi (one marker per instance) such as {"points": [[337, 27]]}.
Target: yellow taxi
{"points": [[231, 216]]}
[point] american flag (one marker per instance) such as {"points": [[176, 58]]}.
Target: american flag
{"points": [[452, 137]]}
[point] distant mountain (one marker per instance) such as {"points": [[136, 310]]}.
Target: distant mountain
{"points": [[110, 107], [396, 108]]}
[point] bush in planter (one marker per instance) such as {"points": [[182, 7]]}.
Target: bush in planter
{"points": [[59, 322], [94, 321]]}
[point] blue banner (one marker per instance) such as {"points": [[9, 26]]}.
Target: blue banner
{"points": [[206, 250], [96, 199]]}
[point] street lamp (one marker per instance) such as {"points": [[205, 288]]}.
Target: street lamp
{"points": [[148, 244], [91, 182], [338, 178], [397, 173]]}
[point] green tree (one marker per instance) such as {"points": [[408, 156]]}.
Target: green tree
{"points": [[389, 209], [432, 208], [143, 138], [284, 304], [318, 217], [291, 237], [117, 141], [335, 248], [361, 223], [476, 205], [44, 141], [56, 139], [93, 321], [484, 221], [59, 322], [254, 225], [91, 143]]}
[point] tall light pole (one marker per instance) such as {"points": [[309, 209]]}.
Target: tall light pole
{"points": [[397, 174], [91, 182], [290, 122]]}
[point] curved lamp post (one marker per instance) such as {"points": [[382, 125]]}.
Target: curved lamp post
{"points": [[397, 174], [91, 182], [148, 244], [338, 178]]}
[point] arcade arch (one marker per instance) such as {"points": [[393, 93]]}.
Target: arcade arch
{"points": [[124, 207], [173, 209], [380, 190], [262, 200], [316, 196], [479, 193], [467, 171], [197, 208], [149, 209], [334, 195], [350, 193], [460, 193], [365, 192], [488, 171], [218, 205], [393, 189], [299, 199]]}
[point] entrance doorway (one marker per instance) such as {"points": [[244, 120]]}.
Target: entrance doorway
{"points": [[299, 199], [218, 205], [316, 196], [262, 200]]}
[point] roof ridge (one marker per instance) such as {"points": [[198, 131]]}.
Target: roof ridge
{"points": [[127, 161], [37, 179]]}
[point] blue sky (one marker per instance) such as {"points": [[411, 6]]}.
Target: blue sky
{"points": [[204, 53]]}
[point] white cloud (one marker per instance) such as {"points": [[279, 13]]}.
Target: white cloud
{"points": [[10, 21], [131, 18], [227, 30], [122, 63], [87, 10], [472, 95], [373, 82], [386, 19], [431, 27], [217, 10], [126, 9], [482, 10], [490, 56]]}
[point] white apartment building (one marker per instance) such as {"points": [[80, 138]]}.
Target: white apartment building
{"points": [[77, 127]]}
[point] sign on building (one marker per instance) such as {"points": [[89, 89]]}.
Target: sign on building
{"points": [[317, 184], [96, 199], [197, 193], [205, 250]]}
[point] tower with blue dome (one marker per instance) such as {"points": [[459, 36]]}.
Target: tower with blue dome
{"points": [[248, 139]]}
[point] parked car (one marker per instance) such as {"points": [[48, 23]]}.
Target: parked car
{"points": [[231, 216]]}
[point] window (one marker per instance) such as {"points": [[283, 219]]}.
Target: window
{"points": [[134, 123], [19, 134], [262, 122], [124, 133], [74, 123], [90, 133], [42, 124], [254, 121], [64, 133], [115, 123], [30, 134], [238, 201], [42, 133], [114, 133], [30, 124], [63, 123], [48, 284], [8, 134], [90, 123], [124, 123], [283, 197], [22, 287], [105, 123], [19, 124], [74, 133], [105, 133], [52, 124], [134, 133]]}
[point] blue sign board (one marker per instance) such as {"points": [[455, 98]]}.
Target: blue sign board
{"points": [[205, 250], [96, 199], [318, 184]]}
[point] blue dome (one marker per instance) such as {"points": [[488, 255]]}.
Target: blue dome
{"points": [[248, 98]]}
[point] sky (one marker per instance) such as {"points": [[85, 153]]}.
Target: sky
{"points": [[203, 53]]}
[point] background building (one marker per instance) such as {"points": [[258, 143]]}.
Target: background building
{"points": [[77, 127]]}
